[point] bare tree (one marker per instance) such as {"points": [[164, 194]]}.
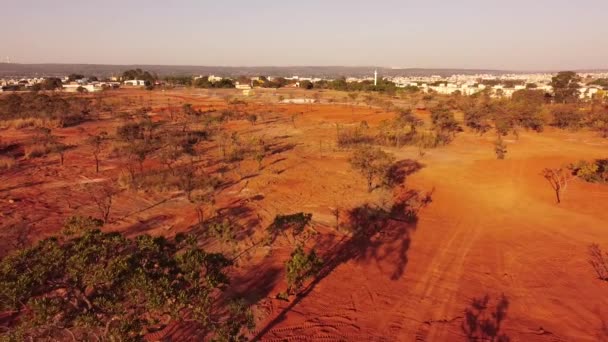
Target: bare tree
{"points": [[60, 149], [103, 196], [336, 214], [500, 148], [201, 200], [96, 141], [188, 181], [558, 179]]}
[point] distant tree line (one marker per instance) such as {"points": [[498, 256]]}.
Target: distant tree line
{"points": [[204, 82], [139, 74]]}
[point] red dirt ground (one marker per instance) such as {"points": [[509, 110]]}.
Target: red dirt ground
{"points": [[492, 229]]}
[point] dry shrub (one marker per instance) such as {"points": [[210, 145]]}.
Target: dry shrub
{"points": [[23, 123], [36, 151], [353, 136], [158, 181], [7, 163], [35, 122]]}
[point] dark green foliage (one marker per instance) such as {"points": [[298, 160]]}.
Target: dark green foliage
{"points": [[602, 82], [76, 225], [300, 267], [51, 83], [277, 82], [75, 77], [222, 231], [296, 223], [306, 84], [139, 74], [445, 125], [566, 86], [67, 111], [113, 287], [567, 117], [179, 80], [203, 82], [478, 115], [526, 106], [372, 163]]}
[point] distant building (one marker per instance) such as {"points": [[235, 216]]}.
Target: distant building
{"points": [[242, 86], [135, 83], [73, 87], [214, 78], [588, 92], [298, 101]]}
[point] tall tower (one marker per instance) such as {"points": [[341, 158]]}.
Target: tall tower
{"points": [[375, 77]]}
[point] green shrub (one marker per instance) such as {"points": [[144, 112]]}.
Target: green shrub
{"points": [[300, 267], [593, 172]]}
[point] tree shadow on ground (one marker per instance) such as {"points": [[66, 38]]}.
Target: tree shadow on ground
{"points": [[277, 148], [399, 171], [153, 205], [257, 283], [22, 186], [602, 334], [238, 214], [372, 230], [482, 321], [143, 226]]}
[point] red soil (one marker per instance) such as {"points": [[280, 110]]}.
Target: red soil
{"points": [[492, 228]]}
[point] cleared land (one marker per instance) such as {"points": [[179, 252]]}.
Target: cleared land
{"points": [[487, 228]]}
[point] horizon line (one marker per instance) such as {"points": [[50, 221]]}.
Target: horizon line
{"points": [[319, 66]]}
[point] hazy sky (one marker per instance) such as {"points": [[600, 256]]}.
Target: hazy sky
{"points": [[505, 34]]}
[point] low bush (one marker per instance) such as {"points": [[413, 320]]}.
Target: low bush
{"points": [[36, 151], [354, 137], [34, 123], [592, 172]]}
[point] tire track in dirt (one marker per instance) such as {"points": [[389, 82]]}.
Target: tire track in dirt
{"points": [[445, 268], [331, 328], [466, 232]]}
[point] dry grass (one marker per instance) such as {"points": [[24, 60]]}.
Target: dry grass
{"points": [[7, 162], [32, 122], [36, 151]]}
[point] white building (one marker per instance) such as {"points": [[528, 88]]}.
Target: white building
{"points": [[452, 88], [242, 86], [588, 92], [73, 87], [298, 101], [135, 83]]}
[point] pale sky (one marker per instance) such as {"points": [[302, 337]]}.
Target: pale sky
{"points": [[510, 35]]}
